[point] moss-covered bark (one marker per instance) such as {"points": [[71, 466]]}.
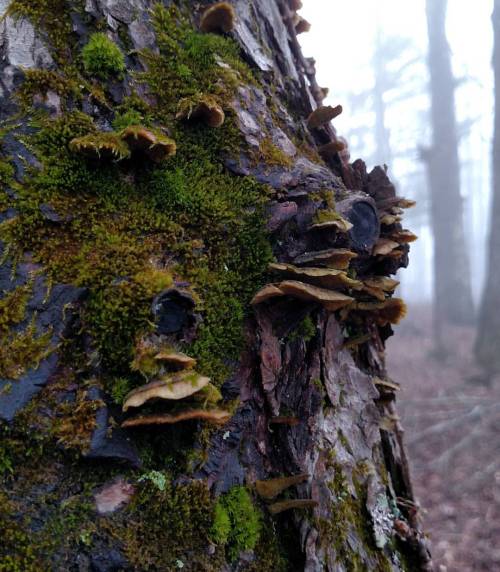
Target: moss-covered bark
{"points": [[150, 172]]}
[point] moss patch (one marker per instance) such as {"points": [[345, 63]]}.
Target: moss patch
{"points": [[102, 58]]}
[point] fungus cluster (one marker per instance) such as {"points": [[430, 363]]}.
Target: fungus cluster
{"points": [[269, 489], [134, 139], [176, 393], [323, 115]]}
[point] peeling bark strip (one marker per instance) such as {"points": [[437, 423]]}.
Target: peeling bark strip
{"points": [[164, 205]]}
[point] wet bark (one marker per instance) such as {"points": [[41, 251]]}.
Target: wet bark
{"points": [[310, 394], [486, 348], [452, 282]]}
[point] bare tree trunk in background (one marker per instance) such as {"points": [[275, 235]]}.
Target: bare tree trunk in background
{"points": [[487, 347], [382, 142], [452, 287], [155, 160]]}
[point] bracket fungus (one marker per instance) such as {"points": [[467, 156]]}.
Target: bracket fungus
{"points": [[101, 146], [300, 504], [403, 236], [215, 416], [384, 247], [378, 286], [301, 24], [202, 108], [328, 218], [329, 299], [295, 5], [169, 387], [323, 115], [391, 311], [271, 488], [322, 277], [338, 258], [174, 358], [331, 149], [219, 18], [151, 142]]}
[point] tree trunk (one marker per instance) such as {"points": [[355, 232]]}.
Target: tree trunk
{"points": [[488, 333], [452, 289], [169, 400]]}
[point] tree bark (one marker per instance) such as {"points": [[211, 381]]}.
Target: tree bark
{"points": [[488, 331], [127, 283], [452, 286]]}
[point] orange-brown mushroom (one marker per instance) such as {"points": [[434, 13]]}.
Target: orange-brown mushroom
{"points": [[329, 299], [153, 143], [301, 24], [338, 258], [202, 108], [214, 416], [176, 358], [322, 277], [331, 149], [219, 18], [271, 488], [322, 115], [384, 247], [170, 387], [300, 504], [403, 236]]}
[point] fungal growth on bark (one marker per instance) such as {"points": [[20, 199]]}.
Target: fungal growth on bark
{"points": [[195, 292]]}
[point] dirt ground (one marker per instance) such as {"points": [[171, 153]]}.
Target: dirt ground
{"points": [[453, 437]]}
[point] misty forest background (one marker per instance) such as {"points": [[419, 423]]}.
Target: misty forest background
{"points": [[419, 82]]}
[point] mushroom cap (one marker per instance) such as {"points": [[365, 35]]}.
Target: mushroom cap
{"points": [[331, 149], [295, 5], [389, 219], [338, 258], [383, 282], [384, 246], [218, 18], [170, 387], [176, 358], [329, 299], [337, 222], [215, 416], [322, 115], [322, 277], [390, 311], [404, 236], [152, 142], [271, 488], [301, 25], [201, 108], [281, 506], [101, 146]]}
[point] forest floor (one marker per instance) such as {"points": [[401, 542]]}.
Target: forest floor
{"points": [[453, 438]]}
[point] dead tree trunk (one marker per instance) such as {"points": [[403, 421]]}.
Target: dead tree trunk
{"points": [[194, 304], [488, 332], [452, 288]]}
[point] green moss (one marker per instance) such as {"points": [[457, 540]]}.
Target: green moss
{"points": [[20, 349], [128, 118], [306, 330], [52, 17], [167, 523], [41, 81], [102, 58], [270, 154], [221, 527], [101, 145], [238, 522]]}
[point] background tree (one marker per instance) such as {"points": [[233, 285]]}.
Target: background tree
{"points": [[453, 296], [488, 329]]}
